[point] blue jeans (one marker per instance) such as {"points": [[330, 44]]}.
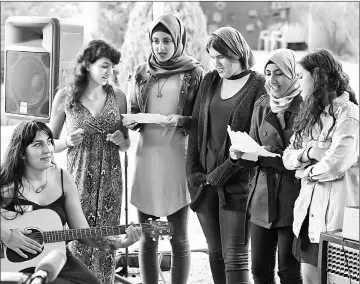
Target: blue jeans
{"points": [[224, 231], [180, 258], [264, 243]]}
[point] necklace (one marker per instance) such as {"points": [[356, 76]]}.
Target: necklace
{"points": [[159, 95], [240, 75], [40, 188], [92, 100]]}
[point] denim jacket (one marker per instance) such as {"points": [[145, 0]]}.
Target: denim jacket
{"points": [[332, 183], [190, 84]]}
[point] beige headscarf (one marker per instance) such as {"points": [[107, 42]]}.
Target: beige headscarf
{"points": [[179, 62], [285, 60]]}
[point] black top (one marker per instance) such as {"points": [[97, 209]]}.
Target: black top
{"points": [[219, 116], [227, 176], [58, 205]]}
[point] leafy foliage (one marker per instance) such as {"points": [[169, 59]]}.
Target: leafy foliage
{"points": [[340, 22], [336, 22], [112, 21]]}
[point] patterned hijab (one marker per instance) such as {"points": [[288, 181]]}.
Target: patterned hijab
{"points": [[179, 62], [238, 45], [285, 60]]}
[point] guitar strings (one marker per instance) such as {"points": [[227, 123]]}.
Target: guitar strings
{"points": [[81, 231], [84, 231]]}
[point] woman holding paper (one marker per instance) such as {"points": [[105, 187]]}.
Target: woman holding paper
{"points": [[218, 187], [166, 84], [324, 151], [274, 189], [90, 107]]}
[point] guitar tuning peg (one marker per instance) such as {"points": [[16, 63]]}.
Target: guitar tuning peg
{"points": [[162, 238], [153, 238], [169, 237]]}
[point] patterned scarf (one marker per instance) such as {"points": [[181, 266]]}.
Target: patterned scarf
{"points": [[179, 62], [284, 59], [238, 45]]}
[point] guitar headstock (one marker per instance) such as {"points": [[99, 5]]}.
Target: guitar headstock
{"points": [[155, 228]]}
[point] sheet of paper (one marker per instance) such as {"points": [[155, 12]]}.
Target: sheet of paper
{"points": [[144, 117], [250, 157], [299, 173], [244, 143]]}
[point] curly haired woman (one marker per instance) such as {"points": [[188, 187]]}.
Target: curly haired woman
{"points": [[322, 151], [91, 107]]}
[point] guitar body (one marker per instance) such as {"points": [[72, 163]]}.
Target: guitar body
{"points": [[46, 228], [45, 219]]}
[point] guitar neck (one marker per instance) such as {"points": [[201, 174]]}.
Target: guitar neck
{"points": [[76, 234]]}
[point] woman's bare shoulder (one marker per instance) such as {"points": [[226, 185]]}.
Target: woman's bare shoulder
{"points": [[56, 173]]}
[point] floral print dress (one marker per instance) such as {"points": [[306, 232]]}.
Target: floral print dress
{"points": [[95, 166]]}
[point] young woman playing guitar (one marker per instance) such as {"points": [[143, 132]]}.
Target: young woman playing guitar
{"points": [[30, 181]]}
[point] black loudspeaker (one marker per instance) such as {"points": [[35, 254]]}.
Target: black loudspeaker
{"points": [[338, 259], [39, 52]]}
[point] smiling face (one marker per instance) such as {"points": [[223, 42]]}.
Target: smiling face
{"points": [[38, 154], [162, 45], [277, 80], [306, 81], [225, 67], [100, 71]]}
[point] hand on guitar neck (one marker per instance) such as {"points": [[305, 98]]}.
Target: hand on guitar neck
{"points": [[132, 235]]}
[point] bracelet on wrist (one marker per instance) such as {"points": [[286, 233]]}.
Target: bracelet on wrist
{"points": [[10, 239]]}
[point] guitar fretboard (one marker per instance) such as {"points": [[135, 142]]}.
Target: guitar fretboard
{"points": [[75, 234]]}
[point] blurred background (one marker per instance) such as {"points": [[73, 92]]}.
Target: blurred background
{"points": [[265, 25]]}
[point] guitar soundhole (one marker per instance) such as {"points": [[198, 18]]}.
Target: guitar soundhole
{"points": [[37, 236]]}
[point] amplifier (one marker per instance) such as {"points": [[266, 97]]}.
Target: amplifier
{"points": [[338, 259]]}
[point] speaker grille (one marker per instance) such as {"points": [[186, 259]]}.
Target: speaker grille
{"points": [[338, 265], [27, 83]]}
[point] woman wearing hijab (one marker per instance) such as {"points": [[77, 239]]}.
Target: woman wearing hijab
{"points": [[274, 189], [166, 84], [218, 187]]}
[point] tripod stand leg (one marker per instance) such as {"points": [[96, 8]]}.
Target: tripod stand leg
{"points": [[122, 280]]}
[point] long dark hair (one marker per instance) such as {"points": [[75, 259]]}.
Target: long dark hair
{"points": [[95, 50], [330, 82], [13, 166]]}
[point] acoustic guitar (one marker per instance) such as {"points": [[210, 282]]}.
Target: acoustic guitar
{"points": [[46, 228]]}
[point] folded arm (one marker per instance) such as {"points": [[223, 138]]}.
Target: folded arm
{"points": [[295, 159], [341, 155]]}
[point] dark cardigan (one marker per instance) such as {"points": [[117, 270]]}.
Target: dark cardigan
{"points": [[226, 174]]}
